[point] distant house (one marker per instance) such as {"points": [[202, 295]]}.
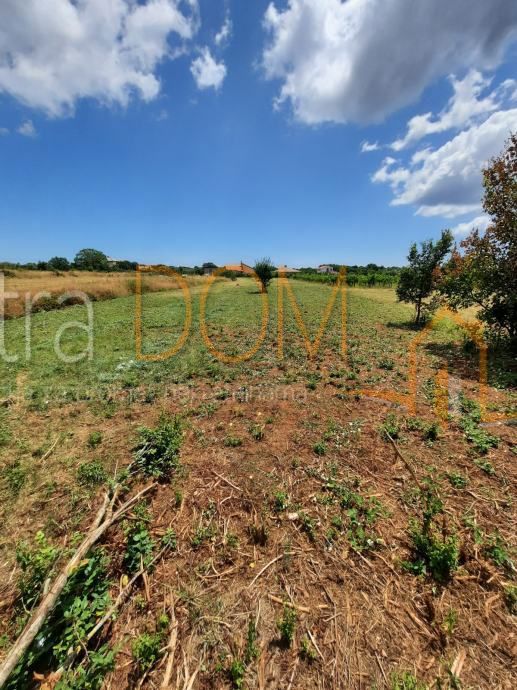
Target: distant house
{"points": [[287, 271], [209, 268], [326, 268], [239, 268]]}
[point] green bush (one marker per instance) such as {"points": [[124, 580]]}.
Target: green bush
{"points": [[157, 452]]}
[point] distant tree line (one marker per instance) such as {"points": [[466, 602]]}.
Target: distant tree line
{"points": [[85, 260], [370, 275]]}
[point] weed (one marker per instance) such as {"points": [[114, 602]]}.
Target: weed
{"points": [[319, 448], [286, 626], [257, 432], [251, 650], [308, 525], [157, 452], [307, 651], [510, 598], [280, 501], [469, 423], [91, 473], [36, 564], [146, 650], [222, 394], [139, 543], [390, 427], [486, 466], [201, 535], [387, 364], [232, 540], [496, 549], [450, 621], [169, 539], [5, 434], [236, 674], [457, 480], [94, 439], [90, 676], [406, 681], [433, 555], [232, 441], [15, 475]]}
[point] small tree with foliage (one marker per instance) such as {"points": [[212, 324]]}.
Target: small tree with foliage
{"points": [[58, 263], [419, 280], [91, 260], [264, 270], [485, 273]]}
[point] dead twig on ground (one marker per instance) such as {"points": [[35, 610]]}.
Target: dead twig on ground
{"points": [[47, 604]]}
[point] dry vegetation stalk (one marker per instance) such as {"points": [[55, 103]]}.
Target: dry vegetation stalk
{"points": [[47, 604]]}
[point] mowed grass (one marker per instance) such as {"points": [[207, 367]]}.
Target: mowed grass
{"points": [[378, 334]]}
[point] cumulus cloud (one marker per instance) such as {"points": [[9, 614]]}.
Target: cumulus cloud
{"points": [[207, 72], [464, 107], [480, 222], [361, 60], [447, 181], [27, 129], [366, 146], [55, 52]]}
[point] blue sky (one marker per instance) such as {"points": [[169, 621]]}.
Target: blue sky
{"points": [[195, 145]]}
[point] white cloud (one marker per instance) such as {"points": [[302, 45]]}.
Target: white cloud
{"points": [[3, 131], [207, 72], [480, 222], [366, 146], [447, 181], [55, 52], [361, 60], [27, 129], [224, 34], [463, 107]]}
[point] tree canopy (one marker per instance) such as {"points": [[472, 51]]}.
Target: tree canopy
{"points": [[419, 280]]}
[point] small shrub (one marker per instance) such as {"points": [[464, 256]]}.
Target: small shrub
{"points": [[257, 432], [157, 453], [236, 674], [232, 441], [36, 564], [319, 448], [146, 650], [433, 555], [457, 480], [94, 439], [390, 427], [139, 543], [286, 626], [91, 473], [486, 466], [307, 651], [280, 501]]}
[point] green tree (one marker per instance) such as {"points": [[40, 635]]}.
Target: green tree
{"points": [[419, 280], [59, 263], [91, 260], [264, 270], [485, 272]]}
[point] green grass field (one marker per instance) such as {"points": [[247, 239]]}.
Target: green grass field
{"points": [[378, 334]]}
